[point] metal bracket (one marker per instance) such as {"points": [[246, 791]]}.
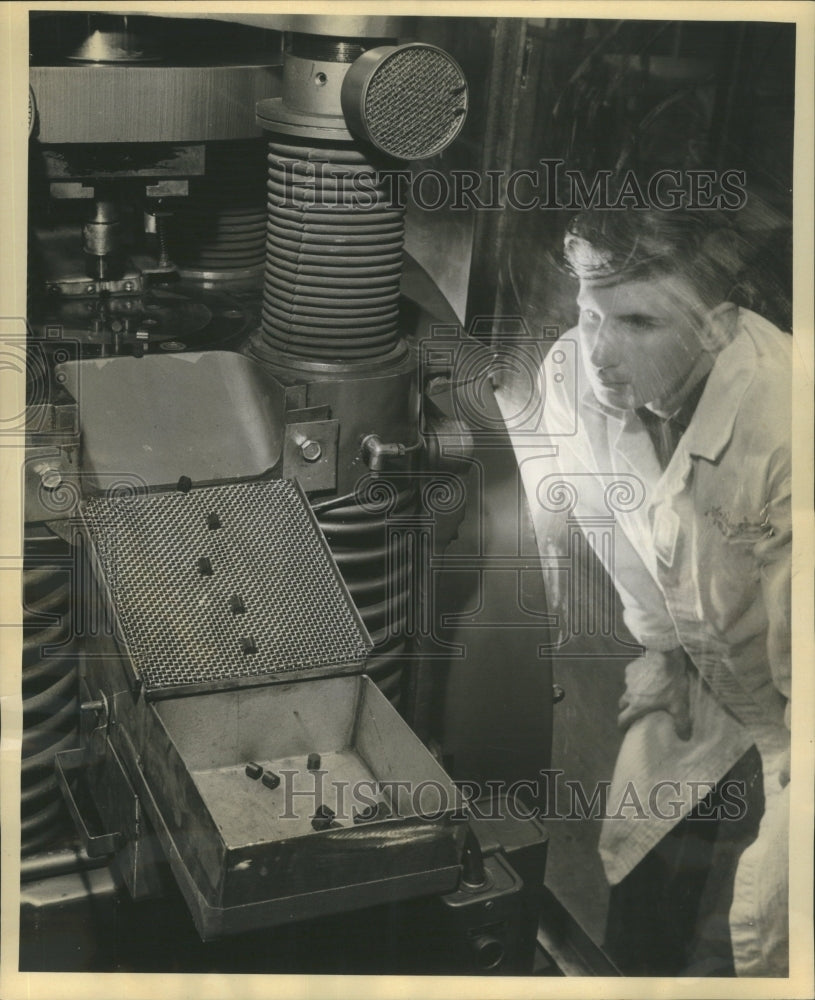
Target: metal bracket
{"points": [[65, 763], [310, 454]]}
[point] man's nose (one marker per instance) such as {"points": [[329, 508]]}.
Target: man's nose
{"points": [[604, 350]]}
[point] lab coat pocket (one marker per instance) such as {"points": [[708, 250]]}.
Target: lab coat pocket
{"points": [[727, 575]]}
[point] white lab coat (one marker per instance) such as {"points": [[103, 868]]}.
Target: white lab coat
{"points": [[702, 560]]}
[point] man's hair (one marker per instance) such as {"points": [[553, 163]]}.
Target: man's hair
{"points": [[633, 245]]}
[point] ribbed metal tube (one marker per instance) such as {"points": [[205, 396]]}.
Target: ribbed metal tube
{"points": [[50, 703], [333, 255], [222, 225], [359, 543]]}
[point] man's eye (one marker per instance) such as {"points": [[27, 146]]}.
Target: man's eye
{"points": [[641, 322], [589, 316]]}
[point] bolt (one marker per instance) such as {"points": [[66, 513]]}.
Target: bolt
{"points": [[248, 646], [270, 779], [205, 566], [213, 521], [236, 604], [128, 286], [53, 289], [311, 450], [253, 770], [90, 289], [558, 694], [50, 475], [184, 484], [313, 762]]}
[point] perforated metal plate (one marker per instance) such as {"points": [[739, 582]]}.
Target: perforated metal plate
{"points": [[223, 582], [415, 102]]}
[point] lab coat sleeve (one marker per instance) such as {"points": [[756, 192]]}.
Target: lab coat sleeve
{"points": [[773, 554], [644, 609]]}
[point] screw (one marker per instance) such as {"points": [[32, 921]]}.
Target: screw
{"points": [[254, 770], [311, 450], [248, 646], [205, 566], [213, 521], [270, 779], [184, 484], [558, 694], [128, 286], [313, 762], [236, 604]]}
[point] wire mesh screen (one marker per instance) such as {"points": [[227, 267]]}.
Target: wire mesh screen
{"points": [[416, 102], [222, 582]]}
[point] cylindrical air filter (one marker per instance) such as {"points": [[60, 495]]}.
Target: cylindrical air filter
{"points": [[408, 101]]}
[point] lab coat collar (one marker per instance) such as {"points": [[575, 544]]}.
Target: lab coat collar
{"points": [[711, 428]]}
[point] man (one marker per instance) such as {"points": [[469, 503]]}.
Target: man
{"points": [[677, 390]]}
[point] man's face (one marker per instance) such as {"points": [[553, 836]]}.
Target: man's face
{"points": [[639, 339]]}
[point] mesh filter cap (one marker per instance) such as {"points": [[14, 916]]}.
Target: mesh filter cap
{"points": [[409, 101], [222, 582]]}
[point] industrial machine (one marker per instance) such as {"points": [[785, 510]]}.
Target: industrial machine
{"points": [[286, 647], [245, 462]]}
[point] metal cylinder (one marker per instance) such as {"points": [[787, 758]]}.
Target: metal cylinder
{"points": [[101, 240]]}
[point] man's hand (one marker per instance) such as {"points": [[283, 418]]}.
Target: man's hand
{"points": [[657, 682]]}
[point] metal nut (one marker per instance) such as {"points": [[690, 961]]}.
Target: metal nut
{"points": [[50, 475], [311, 450]]}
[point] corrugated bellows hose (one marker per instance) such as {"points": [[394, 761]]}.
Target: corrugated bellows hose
{"points": [[333, 255]]}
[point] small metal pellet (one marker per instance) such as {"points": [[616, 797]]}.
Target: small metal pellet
{"points": [[253, 770]]}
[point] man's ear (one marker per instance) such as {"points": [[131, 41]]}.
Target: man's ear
{"points": [[719, 327]]}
